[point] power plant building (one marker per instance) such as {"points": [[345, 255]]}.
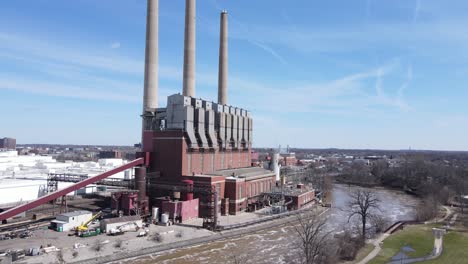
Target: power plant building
{"points": [[201, 145], [196, 155]]}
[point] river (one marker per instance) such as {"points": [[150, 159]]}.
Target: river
{"points": [[276, 245]]}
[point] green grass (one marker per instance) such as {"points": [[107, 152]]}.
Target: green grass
{"points": [[455, 249], [419, 238]]}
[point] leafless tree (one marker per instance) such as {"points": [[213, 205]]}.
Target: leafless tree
{"points": [[60, 257], [428, 209], [349, 243], [98, 246], [313, 238], [363, 204], [380, 223], [460, 188], [238, 259], [157, 237], [118, 243]]}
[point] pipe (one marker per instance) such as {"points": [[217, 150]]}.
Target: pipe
{"points": [[140, 183], [150, 99], [223, 60], [189, 49]]}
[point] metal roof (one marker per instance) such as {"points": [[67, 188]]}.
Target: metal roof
{"points": [[122, 219], [244, 172]]}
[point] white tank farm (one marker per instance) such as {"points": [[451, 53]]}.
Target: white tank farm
{"points": [[23, 178]]}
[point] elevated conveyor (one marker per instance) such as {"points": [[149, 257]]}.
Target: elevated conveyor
{"points": [[50, 197]]}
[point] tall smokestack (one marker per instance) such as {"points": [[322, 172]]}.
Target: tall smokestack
{"points": [[223, 60], [189, 49], [150, 99]]}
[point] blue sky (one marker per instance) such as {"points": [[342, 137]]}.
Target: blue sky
{"points": [[349, 74]]}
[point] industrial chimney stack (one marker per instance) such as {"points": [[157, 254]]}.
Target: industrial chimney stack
{"points": [[189, 49], [223, 60], [150, 99]]}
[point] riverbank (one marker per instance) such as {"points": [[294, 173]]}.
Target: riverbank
{"points": [[147, 254], [272, 242]]}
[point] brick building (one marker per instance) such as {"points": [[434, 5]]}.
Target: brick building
{"points": [[110, 154], [8, 143]]}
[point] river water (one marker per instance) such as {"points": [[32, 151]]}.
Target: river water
{"points": [[277, 245]]}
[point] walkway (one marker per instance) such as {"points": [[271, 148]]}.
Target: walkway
{"points": [[438, 242], [378, 241], [381, 238]]}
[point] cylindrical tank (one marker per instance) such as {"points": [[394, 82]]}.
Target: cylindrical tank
{"points": [[140, 182], [275, 165], [154, 213], [164, 218]]}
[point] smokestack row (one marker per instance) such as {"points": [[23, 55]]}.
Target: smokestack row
{"points": [[150, 99]]}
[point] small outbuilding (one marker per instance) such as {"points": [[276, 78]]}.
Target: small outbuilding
{"points": [[68, 221], [125, 223]]}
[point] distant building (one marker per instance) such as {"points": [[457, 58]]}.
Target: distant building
{"points": [[8, 143], [112, 154], [289, 159]]}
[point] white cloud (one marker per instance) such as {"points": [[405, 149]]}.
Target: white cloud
{"points": [[269, 50]]}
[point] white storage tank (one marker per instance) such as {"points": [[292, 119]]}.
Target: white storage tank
{"points": [[154, 213], [164, 218]]}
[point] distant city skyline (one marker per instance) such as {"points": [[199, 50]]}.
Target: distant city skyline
{"points": [[335, 74]]}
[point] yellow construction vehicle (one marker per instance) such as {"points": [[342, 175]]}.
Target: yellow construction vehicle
{"points": [[84, 226]]}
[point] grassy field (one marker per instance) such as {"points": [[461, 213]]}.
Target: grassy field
{"points": [[419, 238], [455, 249]]}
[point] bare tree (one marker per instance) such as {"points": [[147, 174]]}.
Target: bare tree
{"points": [[60, 257], [363, 204], [428, 209], [238, 259], [460, 187], [118, 243], [313, 238], [98, 246]]}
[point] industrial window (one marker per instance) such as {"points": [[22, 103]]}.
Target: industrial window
{"points": [[240, 191]]}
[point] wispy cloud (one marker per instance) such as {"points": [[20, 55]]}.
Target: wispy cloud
{"points": [[18, 83], [269, 50], [115, 45], [353, 94], [417, 7]]}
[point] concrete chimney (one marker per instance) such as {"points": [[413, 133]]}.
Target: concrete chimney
{"points": [[189, 49], [223, 60], [150, 99]]}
